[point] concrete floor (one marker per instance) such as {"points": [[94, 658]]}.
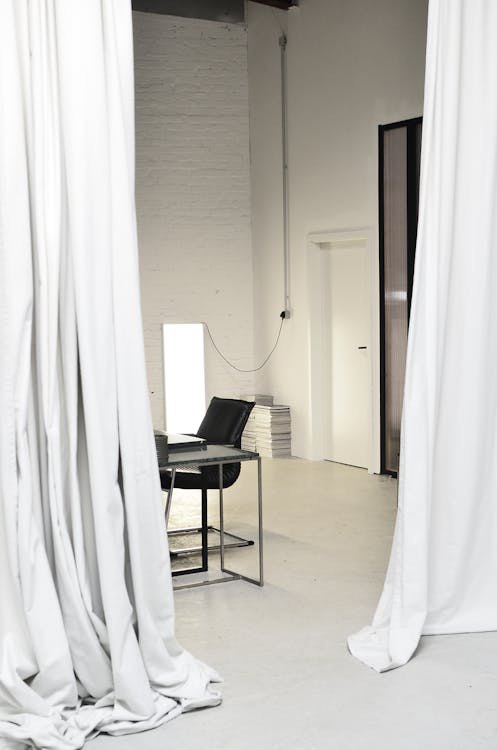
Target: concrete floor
{"points": [[289, 681]]}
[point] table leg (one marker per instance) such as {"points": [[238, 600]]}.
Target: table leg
{"points": [[221, 517], [205, 532], [261, 528], [258, 581]]}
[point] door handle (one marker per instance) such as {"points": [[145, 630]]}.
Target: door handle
{"points": [[362, 347]]}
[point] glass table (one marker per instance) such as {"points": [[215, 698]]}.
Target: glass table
{"points": [[216, 455]]}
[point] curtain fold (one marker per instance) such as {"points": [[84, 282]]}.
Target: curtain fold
{"points": [[87, 617], [443, 568]]}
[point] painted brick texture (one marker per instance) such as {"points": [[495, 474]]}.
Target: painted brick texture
{"points": [[193, 192]]}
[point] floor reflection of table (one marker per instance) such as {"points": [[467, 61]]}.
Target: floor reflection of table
{"points": [[217, 455]]}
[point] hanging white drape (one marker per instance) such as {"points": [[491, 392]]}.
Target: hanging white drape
{"points": [[86, 609], [442, 576]]}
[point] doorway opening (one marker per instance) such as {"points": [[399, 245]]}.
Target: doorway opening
{"points": [[184, 376], [344, 361], [399, 172], [346, 345]]}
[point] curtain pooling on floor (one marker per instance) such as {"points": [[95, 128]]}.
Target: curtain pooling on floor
{"points": [[443, 566], [86, 618]]}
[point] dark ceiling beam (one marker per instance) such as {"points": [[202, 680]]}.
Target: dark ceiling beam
{"points": [[282, 4], [229, 11]]}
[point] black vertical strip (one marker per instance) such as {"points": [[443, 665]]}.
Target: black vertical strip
{"points": [[412, 199], [381, 246], [412, 204]]}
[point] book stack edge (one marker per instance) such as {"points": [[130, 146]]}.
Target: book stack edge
{"points": [[268, 429]]}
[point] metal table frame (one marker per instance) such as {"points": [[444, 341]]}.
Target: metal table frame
{"points": [[226, 455]]}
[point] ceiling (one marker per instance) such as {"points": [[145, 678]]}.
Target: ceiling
{"points": [[230, 11]]}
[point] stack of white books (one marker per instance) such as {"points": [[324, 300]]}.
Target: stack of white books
{"points": [[268, 430], [273, 430], [248, 437]]}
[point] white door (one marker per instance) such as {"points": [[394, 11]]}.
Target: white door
{"points": [[346, 351]]}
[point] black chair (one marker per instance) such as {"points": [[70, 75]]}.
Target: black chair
{"points": [[222, 424]]}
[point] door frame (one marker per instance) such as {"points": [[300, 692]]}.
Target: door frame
{"points": [[412, 229], [317, 399]]}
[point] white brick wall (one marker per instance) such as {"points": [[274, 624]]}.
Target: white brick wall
{"points": [[193, 192]]}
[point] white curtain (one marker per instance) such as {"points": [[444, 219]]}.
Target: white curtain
{"points": [[442, 576], [86, 609]]}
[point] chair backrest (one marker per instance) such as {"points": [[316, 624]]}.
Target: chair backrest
{"points": [[225, 420]]}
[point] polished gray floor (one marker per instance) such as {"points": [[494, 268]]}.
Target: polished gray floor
{"points": [[289, 681]]}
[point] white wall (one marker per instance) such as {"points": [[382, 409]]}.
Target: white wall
{"points": [[193, 191], [352, 65]]}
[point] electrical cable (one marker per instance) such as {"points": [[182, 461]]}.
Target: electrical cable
{"points": [[240, 369]]}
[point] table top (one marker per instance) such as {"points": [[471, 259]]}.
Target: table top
{"points": [[213, 454]]}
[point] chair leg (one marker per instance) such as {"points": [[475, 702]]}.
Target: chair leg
{"points": [[170, 496], [204, 531], [238, 540]]}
